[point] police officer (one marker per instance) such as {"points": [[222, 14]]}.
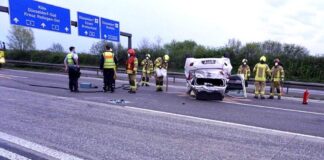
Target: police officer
{"points": [[2, 53], [108, 63], [71, 63]]}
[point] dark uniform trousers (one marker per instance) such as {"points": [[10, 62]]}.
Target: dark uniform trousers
{"points": [[109, 81], [74, 75]]}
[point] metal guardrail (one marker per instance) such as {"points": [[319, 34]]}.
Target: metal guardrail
{"points": [[174, 75]]}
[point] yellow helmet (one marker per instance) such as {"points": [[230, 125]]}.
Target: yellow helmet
{"points": [[166, 57], [263, 58]]}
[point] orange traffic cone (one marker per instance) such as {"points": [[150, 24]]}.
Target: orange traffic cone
{"points": [[306, 97]]}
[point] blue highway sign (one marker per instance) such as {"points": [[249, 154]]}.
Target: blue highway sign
{"points": [[39, 15], [88, 25], [110, 30]]}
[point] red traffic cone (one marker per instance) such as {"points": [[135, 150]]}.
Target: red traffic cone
{"points": [[306, 97]]}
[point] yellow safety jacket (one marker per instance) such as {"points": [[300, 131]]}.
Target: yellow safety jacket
{"points": [[261, 71], [159, 63], [2, 57], [277, 74], [244, 69], [147, 66], [109, 62]]}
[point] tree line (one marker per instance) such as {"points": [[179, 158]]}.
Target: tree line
{"points": [[299, 65]]}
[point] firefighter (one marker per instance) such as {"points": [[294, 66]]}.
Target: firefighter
{"points": [[277, 78], [131, 70], [71, 63], [159, 64], [2, 53], [245, 70], [108, 66], [261, 71], [147, 70]]}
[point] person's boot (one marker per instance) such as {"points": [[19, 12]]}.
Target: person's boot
{"points": [[131, 92], [256, 97], [105, 89], [143, 84], [279, 97], [271, 97], [147, 85], [262, 97]]}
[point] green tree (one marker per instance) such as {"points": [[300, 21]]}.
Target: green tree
{"points": [[56, 47], [100, 47], [21, 38]]}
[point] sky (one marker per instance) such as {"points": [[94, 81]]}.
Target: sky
{"points": [[208, 22]]}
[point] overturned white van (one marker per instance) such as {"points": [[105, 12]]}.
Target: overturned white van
{"points": [[210, 78]]}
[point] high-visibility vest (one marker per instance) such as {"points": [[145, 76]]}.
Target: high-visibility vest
{"points": [[109, 62], [147, 66], [277, 73], [2, 57], [132, 65], [70, 60], [1, 54], [244, 69], [261, 71]]}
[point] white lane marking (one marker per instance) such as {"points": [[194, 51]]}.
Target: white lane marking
{"points": [[228, 124], [216, 122], [5, 77], [11, 155], [13, 76], [274, 108], [38, 148]]}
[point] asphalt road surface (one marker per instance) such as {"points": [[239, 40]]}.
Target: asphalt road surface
{"points": [[41, 119]]}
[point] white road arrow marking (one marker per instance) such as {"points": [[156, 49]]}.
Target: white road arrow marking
{"points": [[105, 36], [66, 29], [16, 20], [86, 33], [43, 25]]}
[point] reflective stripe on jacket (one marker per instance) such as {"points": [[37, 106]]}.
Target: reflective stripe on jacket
{"points": [[132, 65], [244, 69], [109, 62], [277, 74], [147, 66], [159, 63], [261, 71]]}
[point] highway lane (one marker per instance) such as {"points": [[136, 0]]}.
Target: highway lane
{"points": [[318, 94], [286, 115], [91, 130], [233, 129]]}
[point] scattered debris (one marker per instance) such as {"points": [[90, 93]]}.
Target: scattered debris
{"points": [[118, 101]]}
